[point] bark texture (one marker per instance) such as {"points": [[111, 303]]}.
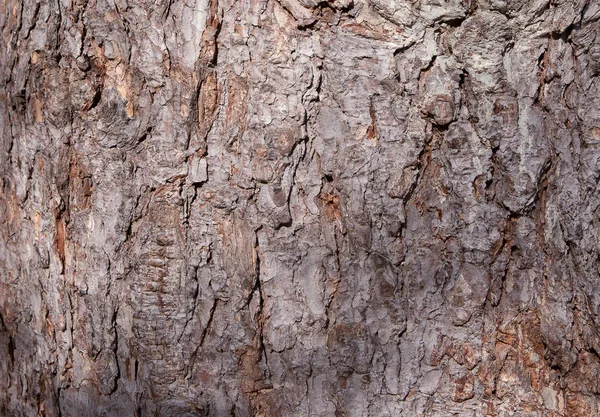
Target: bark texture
{"points": [[300, 208]]}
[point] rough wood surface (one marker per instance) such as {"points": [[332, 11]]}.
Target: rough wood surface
{"points": [[300, 208]]}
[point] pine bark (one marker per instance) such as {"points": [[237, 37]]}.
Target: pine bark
{"points": [[300, 208]]}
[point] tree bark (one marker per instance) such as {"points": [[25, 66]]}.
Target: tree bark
{"points": [[300, 208]]}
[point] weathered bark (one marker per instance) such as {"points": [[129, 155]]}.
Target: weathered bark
{"points": [[300, 208]]}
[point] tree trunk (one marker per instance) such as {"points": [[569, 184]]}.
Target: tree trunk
{"points": [[300, 208]]}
